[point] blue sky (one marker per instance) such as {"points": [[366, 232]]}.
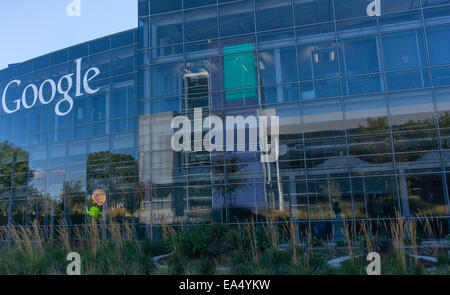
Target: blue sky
{"points": [[31, 28]]}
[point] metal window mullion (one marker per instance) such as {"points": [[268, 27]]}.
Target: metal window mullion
{"points": [[302, 123], [350, 182], [388, 108], [436, 113]]}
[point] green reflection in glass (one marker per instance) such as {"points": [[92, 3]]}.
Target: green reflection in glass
{"points": [[240, 71]]}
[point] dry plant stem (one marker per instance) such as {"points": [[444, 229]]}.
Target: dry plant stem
{"points": [[398, 237], [63, 235], [293, 245], [349, 241], [251, 232]]}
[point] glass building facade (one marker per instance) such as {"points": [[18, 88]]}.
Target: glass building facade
{"points": [[363, 105], [50, 164]]}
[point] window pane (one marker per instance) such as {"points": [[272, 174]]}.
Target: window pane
{"points": [[166, 104], [143, 7], [437, 16], [356, 27], [122, 39], [441, 76], [425, 194], [316, 33], [323, 118], [103, 62], [201, 48], [144, 34], [399, 21], [408, 79], [321, 88], [276, 65], [411, 110], [97, 107], [200, 24], [236, 18], [41, 62], [98, 145], [404, 50], [279, 93], [318, 61], [166, 29], [59, 57], [197, 3], [240, 71], [328, 198], [166, 79], [367, 145], [353, 62], [77, 153], [122, 147], [427, 3], [78, 51], [277, 38], [443, 106], [415, 141], [325, 148], [350, 8], [366, 114], [99, 45], [37, 160], [273, 14], [120, 103], [400, 5], [381, 195], [56, 156], [316, 11], [122, 60], [363, 84], [438, 44], [204, 73], [159, 6]]}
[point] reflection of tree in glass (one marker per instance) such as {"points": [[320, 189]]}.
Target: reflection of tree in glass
{"points": [[380, 124], [15, 176], [235, 178], [76, 201], [444, 119], [425, 195], [119, 169], [404, 141], [112, 172], [373, 125], [3, 213], [14, 168]]}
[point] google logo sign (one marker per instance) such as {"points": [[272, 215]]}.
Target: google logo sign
{"points": [[63, 87]]}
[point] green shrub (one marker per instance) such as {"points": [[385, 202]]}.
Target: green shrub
{"points": [[262, 238], [240, 263], [177, 264], [354, 266], [316, 262], [277, 262], [204, 240], [273, 257], [206, 266], [155, 248], [317, 242], [443, 259], [238, 237], [416, 269]]}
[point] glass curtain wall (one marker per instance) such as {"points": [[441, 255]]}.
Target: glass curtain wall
{"points": [[362, 103], [51, 164]]}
